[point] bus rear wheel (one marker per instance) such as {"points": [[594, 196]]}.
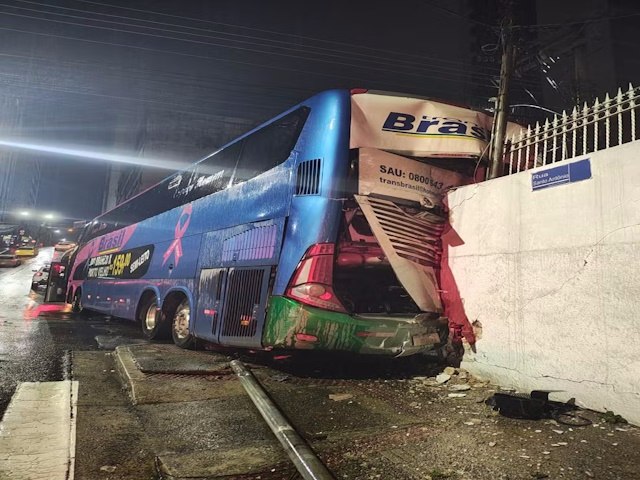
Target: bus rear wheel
{"points": [[180, 332], [153, 322]]}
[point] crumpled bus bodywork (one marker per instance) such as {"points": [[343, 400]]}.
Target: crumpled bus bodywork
{"points": [[291, 324]]}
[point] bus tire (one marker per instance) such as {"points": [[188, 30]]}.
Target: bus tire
{"points": [[180, 332], [153, 322], [76, 304]]}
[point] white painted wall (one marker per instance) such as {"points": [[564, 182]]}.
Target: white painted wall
{"points": [[553, 276]]}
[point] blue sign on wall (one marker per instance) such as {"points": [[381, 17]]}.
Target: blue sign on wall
{"points": [[567, 173]]}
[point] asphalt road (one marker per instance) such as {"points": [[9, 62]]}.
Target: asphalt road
{"points": [[368, 418], [35, 338]]}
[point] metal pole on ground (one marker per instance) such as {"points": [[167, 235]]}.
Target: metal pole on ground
{"points": [[305, 460]]}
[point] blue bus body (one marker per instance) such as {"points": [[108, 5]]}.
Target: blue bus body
{"points": [[231, 254]]}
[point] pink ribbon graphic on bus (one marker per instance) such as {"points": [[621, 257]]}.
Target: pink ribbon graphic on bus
{"points": [[181, 228]]}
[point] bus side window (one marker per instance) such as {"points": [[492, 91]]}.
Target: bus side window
{"points": [[270, 146], [214, 173], [206, 177], [80, 273]]}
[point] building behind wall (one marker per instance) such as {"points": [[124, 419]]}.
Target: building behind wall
{"points": [[582, 50], [180, 138], [20, 172]]}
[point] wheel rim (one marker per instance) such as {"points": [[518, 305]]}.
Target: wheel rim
{"points": [[181, 322], [150, 317]]}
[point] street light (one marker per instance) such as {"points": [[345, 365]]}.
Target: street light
{"points": [[25, 213], [56, 231], [48, 216]]}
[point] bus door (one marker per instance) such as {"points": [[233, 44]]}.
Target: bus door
{"points": [[233, 294], [57, 283]]}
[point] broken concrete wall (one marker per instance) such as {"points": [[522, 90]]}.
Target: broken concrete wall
{"points": [[551, 281]]}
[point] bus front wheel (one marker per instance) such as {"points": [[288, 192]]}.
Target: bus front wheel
{"points": [[76, 305], [154, 324], [180, 326]]}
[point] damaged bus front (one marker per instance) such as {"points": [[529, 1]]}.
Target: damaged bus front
{"points": [[374, 287]]}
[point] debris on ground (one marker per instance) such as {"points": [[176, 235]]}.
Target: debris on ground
{"points": [[340, 397], [449, 371], [536, 406], [462, 387], [610, 417]]}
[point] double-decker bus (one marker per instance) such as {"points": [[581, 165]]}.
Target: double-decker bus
{"points": [[317, 230]]}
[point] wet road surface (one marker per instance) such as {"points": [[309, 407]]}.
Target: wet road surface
{"points": [[34, 341], [368, 418]]}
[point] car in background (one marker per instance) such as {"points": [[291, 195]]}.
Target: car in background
{"points": [[9, 260], [63, 246], [27, 251], [40, 278]]}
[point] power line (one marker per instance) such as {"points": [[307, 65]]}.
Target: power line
{"points": [[245, 63], [287, 44], [117, 97], [19, 84], [456, 14], [284, 100], [157, 50], [175, 78], [582, 22], [413, 72], [272, 32], [433, 75]]}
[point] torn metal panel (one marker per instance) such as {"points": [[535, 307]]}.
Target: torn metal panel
{"points": [[419, 126], [411, 241], [384, 173]]}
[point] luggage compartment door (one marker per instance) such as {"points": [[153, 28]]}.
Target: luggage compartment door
{"points": [[245, 302], [210, 288]]}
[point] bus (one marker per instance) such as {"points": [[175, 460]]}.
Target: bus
{"points": [[318, 230]]}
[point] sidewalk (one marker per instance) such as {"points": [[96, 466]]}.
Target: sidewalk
{"points": [[185, 415], [37, 435]]}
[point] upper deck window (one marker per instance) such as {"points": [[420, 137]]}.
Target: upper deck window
{"points": [[270, 146], [244, 159]]}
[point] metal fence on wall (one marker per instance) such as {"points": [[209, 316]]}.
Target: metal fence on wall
{"points": [[585, 130]]}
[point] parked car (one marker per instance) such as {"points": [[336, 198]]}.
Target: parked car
{"points": [[9, 260], [63, 246], [27, 251], [40, 278]]}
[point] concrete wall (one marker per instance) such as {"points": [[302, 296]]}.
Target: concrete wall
{"points": [[551, 281]]}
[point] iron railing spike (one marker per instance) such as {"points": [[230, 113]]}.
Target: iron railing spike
{"points": [[575, 122]]}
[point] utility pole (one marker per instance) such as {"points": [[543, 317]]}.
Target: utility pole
{"points": [[496, 147]]}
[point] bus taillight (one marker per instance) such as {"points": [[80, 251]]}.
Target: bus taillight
{"points": [[312, 282]]}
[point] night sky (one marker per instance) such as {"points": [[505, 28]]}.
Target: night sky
{"points": [[174, 80]]}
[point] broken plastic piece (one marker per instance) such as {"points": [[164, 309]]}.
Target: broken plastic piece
{"points": [[535, 407]]}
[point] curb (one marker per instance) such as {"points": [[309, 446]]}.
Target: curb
{"points": [[132, 378]]}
